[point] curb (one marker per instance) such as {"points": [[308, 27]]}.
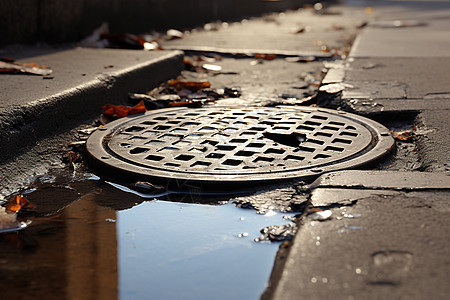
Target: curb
{"points": [[29, 112]]}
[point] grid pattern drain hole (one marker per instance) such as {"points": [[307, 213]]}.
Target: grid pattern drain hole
{"points": [[212, 143]]}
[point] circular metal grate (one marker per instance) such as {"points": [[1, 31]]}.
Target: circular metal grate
{"points": [[238, 145]]}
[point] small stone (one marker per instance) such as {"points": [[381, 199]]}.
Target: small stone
{"points": [[322, 215]]}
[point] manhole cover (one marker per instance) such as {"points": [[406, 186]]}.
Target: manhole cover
{"points": [[237, 145]]}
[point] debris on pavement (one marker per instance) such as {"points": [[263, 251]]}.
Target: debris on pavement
{"points": [[265, 56], [124, 41], [77, 143], [211, 67], [300, 59], [88, 131], [9, 66], [174, 34], [147, 187], [102, 38], [8, 214], [17, 203], [120, 111], [277, 233], [232, 92], [193, 86], [292, 139], [404, 136], [318, 214]]}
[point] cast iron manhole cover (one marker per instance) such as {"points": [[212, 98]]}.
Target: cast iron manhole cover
{"points": [[237, 145]]}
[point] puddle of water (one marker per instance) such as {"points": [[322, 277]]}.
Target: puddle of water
{"points": [[192, 251], [104, 243]]}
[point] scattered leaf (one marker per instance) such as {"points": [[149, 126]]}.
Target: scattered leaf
{"points": [[174, 34], [265, 56], [17, 203], [190, 85], [405, 136], [121, 111], [24, 68], [72, 157]]}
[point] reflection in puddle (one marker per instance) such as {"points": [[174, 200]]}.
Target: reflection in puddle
{"points": [[191, 251], [103, 243]]}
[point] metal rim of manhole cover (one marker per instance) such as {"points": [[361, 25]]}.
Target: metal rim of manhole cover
{"points": [[230, 145]]}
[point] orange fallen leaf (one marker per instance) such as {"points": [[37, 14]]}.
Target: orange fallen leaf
{"points": [[265, 56], [73, 157], [122, 110], [404, 136], [24, 68], [17, 203], [193, 86]]}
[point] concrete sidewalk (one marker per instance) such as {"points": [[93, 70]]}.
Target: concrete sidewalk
{"points": [[33, 107], [387, 238], [401, 61], [388, 234]]}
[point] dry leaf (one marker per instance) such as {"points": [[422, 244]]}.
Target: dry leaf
{"points": [[405, 136], [265, 56], [190, 85], [174, 34], [121, 111], [17, 203], [23, 68]]}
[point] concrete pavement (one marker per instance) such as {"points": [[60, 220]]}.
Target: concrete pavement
{"points": [[386, 239], [388, 235], [33, 107]]}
